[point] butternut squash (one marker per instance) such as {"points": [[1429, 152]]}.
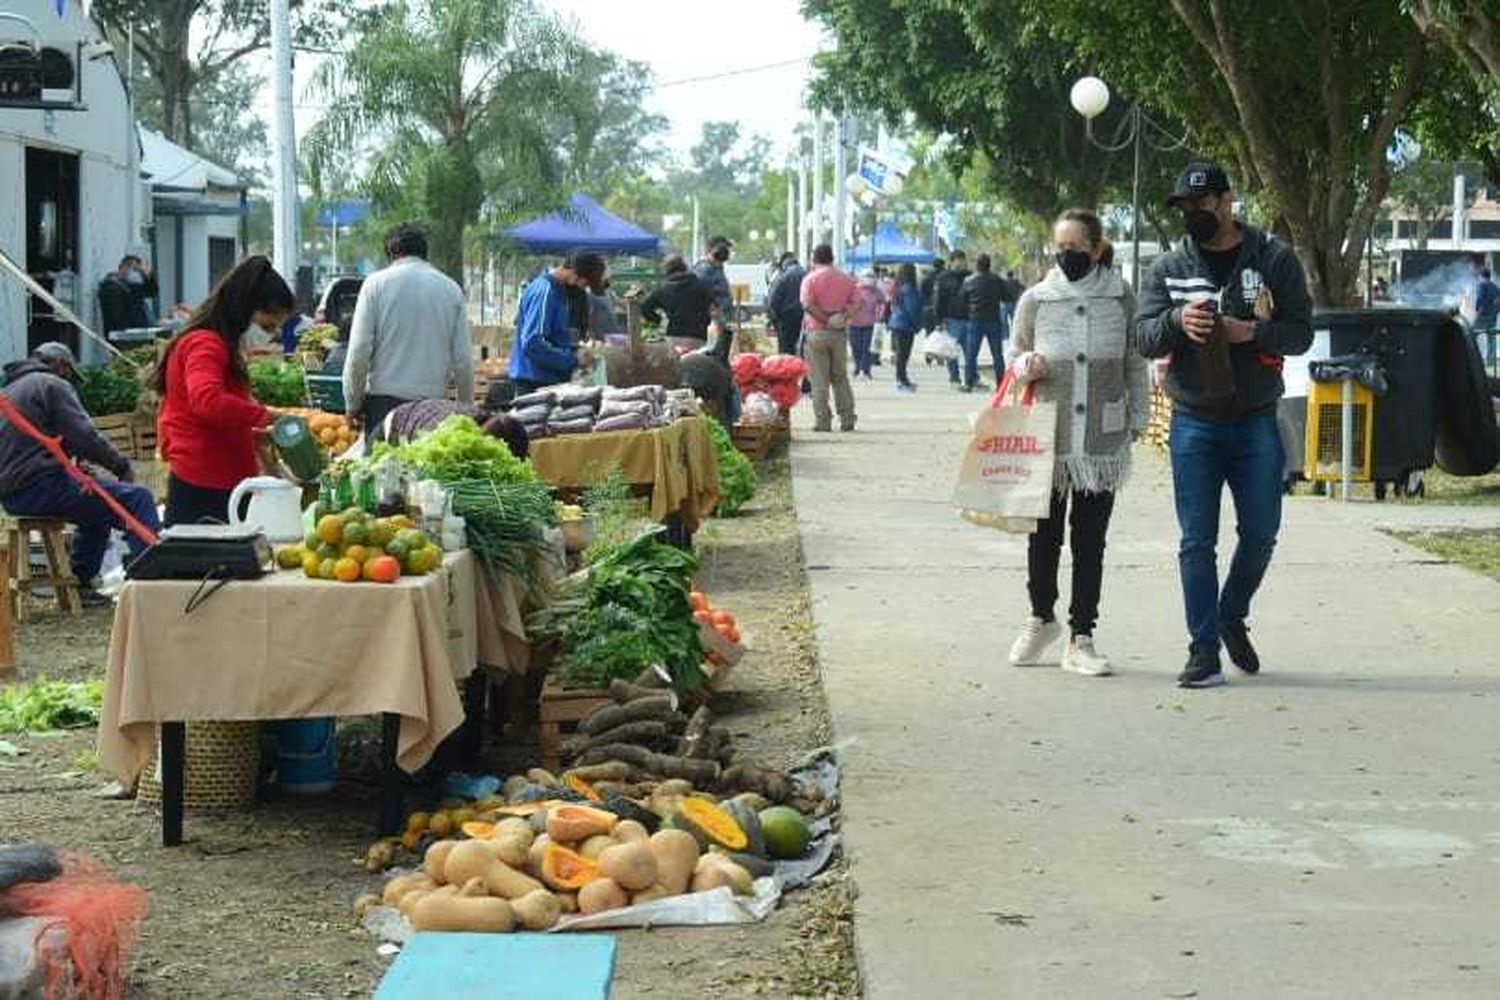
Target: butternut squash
{"points": [[572, 824], [513, 839], [474, 859], [536, 853], [537, 911], [463, 913], [628, 831], [596, 845], [600, 895], [676, 853], [568, 901], [435, 859], [650, 895], [632, 866], [567, 870], [402, 884], [715, 870]]}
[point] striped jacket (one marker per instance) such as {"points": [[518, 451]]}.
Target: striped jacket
{"points": [[1266, 285]]}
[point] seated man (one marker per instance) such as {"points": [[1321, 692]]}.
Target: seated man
{"points": [[32, 484]]}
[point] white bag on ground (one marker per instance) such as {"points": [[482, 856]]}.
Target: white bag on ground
{"points": [[942, 345]]}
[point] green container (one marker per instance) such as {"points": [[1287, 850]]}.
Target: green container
{"points": [[298, 448]]}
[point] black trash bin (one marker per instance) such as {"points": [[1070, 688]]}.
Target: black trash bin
{"points": [[1408, 345]]}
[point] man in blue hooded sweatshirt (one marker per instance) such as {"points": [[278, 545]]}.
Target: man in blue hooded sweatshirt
{"points": [[544, 352]]}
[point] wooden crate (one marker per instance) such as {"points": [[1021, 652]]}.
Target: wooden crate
{"points": [[119, 430], [754, 440], [562, 710], [143, 436]]}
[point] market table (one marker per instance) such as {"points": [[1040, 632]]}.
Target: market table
{"points": [[677, 462], [286, 647]]}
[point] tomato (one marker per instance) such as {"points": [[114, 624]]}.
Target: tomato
{"points": [[733, 635], [703, 618], [699, 601], [723, 618], [383, 569]]}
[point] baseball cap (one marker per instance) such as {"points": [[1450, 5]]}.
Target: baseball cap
{"points": [[714, 242], [53, 351], [1198, 178]]}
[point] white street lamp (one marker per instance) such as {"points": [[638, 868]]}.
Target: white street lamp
{"points": [[1089, 96]]}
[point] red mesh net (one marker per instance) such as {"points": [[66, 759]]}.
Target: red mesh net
{"points": [[102, 917]]}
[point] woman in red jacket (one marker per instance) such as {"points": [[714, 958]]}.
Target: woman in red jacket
{"points": [[208, 419]]}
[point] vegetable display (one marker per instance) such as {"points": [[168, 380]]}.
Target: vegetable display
{"points": [[276, 383], [737, 480], [458, 450], [43, 705], [107, 389], [627, 612]]}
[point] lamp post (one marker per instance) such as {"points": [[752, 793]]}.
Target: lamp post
{"points": [[1090, 97]]}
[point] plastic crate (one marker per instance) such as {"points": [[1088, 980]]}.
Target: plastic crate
{"points": [[1325, 433], [326, 393]]}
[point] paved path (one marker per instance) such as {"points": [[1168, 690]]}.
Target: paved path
{"points": [[1329, 829]]}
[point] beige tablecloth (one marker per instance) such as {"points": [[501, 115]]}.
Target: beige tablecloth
{"points": [[678, 462], [286, 647], [500, 619]]}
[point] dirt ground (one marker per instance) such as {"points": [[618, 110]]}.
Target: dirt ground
{"points": [[256, 904]]}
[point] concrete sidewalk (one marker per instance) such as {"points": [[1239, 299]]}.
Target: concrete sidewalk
{"points": [[1328, 829]]}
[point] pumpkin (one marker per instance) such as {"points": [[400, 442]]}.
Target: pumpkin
{"points": [[627, 808], [537, 910], [582, 787], [632, 866], [477, 830], [742, 814], [676, 853], [475, 859], [710, 824], [757, 866], [463, 913], [567, 870], [600, 895], [570, 824]]}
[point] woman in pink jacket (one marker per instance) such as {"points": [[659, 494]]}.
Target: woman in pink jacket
{"points": [[867, 302]]}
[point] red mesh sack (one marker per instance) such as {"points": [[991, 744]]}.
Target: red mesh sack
{"points": [[786, 394], [746, 368], [102, 917], [783, 368]]}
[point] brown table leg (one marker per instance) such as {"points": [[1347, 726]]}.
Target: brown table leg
{"points": [[173, 753], [391, 805]]}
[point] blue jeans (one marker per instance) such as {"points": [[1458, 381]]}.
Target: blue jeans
{"points": [[1247, 455], [860, 338], [55, 495], [992, 333], [963, 332]]}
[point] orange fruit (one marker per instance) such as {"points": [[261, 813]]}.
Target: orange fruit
{"points": [[312, 566], [383, 569], [358, 553], [331, 529], [346, 570], [328, 569], [427, 559]]}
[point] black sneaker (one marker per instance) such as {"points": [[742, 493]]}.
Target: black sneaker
{"points": [[1236, 636], [1202, 670]]}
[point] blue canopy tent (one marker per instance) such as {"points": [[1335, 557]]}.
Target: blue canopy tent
{"points": [[584, 225], [887, 246]]}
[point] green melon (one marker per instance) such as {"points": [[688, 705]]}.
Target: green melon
{"points": [[786, 831]]}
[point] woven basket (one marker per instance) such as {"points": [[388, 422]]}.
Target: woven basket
{"points": [[222, 762]]}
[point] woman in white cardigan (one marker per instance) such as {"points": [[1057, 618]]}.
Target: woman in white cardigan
{"points": [[1071, 337]]}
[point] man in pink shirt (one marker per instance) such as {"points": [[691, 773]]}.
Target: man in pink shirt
{"points": [[827, 297]]}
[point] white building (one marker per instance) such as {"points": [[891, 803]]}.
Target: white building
{"points": [[197, 208], [71, 203]]}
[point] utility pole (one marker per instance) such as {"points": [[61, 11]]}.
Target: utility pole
{"points": [[697, 228], [284, 143], [802, 216], [817, 206], [840, 187], [791, 210]]}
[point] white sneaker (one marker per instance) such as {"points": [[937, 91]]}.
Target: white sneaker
{"points": [[1081, 658], [1036, 638]]}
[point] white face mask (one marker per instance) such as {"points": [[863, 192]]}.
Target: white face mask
{"points": [[134, 277]]}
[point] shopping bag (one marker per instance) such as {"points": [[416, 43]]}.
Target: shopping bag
{"points": [[942, 345], [1005, 481]]}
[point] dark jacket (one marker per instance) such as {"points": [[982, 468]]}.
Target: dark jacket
{"points": [[1182, 276], [906, 309], [686, 300], [712, 273], [982, 292], [122, 306], [948, 293], [51, 403], [784, 302], [928, 289]]}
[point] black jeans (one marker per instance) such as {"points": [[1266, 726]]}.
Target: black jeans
{"points": [[1089, 524], [903, 339], [189, 504], [788, 336]]}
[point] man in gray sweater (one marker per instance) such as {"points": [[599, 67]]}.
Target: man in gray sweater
{"points": [[410, 334], [32, 484]]}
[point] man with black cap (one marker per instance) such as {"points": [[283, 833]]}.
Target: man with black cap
{"points": [[32, 484], [1226, 307], [711, 270]]}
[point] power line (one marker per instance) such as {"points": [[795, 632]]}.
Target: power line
{"points": [[735, 72]]}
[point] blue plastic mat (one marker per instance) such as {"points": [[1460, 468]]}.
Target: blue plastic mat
{"points": [[501, 966]]}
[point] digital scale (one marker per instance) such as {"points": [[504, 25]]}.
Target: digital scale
{"points": [[204, 552]]}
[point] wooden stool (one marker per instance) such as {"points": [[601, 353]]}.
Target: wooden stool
{"points": [[59, 577], [7, 623]]}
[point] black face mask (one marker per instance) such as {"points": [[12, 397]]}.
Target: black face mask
{"points": [[721, 255], [1074, 264], [1202, 225]]}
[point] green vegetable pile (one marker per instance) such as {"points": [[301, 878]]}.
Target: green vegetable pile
{"points": [[43, 705], [107, 389], [626, 612], [277, 383], [737, 481], [506, 509]]}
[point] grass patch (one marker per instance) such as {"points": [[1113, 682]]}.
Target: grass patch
{"points": [[1476, 549], [1472, 490]]}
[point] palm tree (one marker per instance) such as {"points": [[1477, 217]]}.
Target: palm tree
{"points": [[450, 99]]}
